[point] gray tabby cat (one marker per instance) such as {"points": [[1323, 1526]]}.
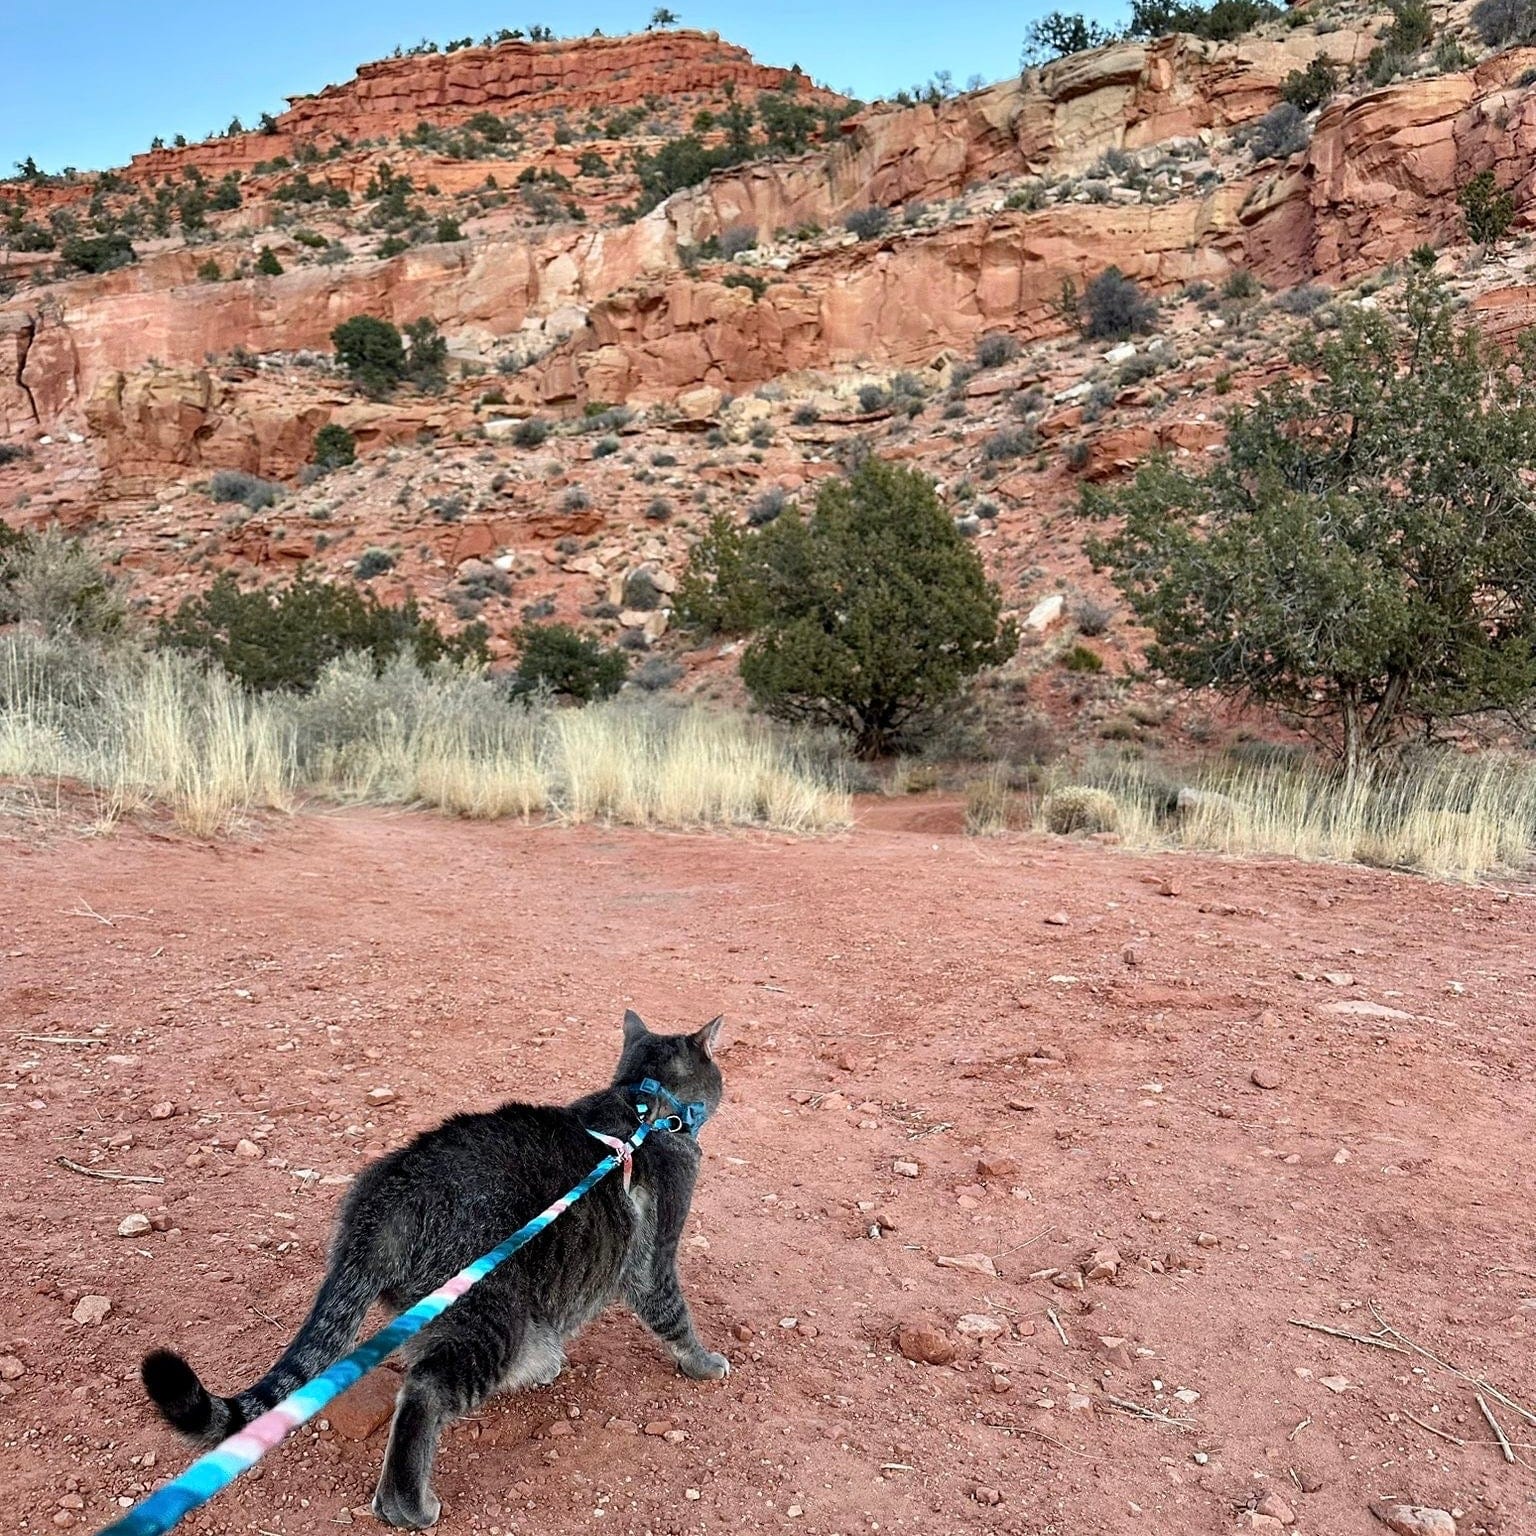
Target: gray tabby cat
{"points": [[416, 1217]]}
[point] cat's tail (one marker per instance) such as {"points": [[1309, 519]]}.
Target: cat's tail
{"points": [[328, 1332]]}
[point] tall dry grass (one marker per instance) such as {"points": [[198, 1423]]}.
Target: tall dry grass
{"points": [[1443, 814], [145, 729]]}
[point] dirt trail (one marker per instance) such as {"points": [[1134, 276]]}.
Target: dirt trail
{"points": [[894, 996]]}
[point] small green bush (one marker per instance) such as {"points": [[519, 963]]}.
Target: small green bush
{"points": [[868, 223], [1115, 308], [559, 659], [373, 562], [98, 253], [995, 350], [335, 446], [1489, 212], [1501, 23], [372, 351], [250, 490], [283, 638], [1082, 658], [530, 432], [267, 263], [1307, 89]]}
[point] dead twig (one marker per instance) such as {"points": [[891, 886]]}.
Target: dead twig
{"points": [[1147, 1413], [1430, 1428], [106, 1173], [1061, 1332], [1498, 1431], [61, 1040], [1354, 1338], [1028, 1242], [1445, 1365], [1299, 1427]]}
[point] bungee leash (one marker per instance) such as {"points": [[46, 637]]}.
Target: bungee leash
{"points": [[214, 1471]]}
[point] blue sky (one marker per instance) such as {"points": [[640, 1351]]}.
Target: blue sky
{"points": [[90, 83]]}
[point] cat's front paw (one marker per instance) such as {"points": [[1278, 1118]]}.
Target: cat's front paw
{"points": [[399, 1509], [705, 1366]]}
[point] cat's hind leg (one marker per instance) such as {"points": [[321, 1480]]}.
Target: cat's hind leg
{"points": [[661, 1306]]}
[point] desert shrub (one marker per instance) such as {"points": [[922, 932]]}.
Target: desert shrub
{"points": [[1076, 808], [1008, 443], [267, 263], [373, 562], [869, 613], [867, 223], [426, 364], [1359, 559], [873, 397], [1091, 616], [372, 351], [283, 638], [605, 447], [530, 432], [334, 446], [1307, 89], [1241, 284], [738, 238], [659, 510], [640, 591], [1305, 299], [805, 415], [10, 452], [98, 253], [251, 491], [1221, 22], [1058, 34], [555, 658], [1114, 308], [995, 350], [1412, 27], [656, 674], [1501, 23], [767, 507], [1279, 134], [53, 585], [448, 230], [1081, 658], [1488, 212]]}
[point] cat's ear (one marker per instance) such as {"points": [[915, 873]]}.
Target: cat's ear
{"points": [[634, 1027], [705, 1038]]}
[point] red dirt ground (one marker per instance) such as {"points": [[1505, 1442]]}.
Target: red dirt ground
{"points": [[264, 987]]}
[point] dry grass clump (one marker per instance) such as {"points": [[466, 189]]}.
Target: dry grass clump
{"points": [[145, 728], [1078, 808]]}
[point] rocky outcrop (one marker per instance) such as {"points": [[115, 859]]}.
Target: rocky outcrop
{"points": [[1382, 171]]}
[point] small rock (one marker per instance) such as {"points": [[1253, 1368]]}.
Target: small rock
{"points": [[1207, 1240], [1339, 978], [1167, 888], [11, 1369], [1251, 1520], [996, 1168], [984, 1495], [1276, 1508], [973, 1263], [1336, 1383], [976, 1325], [381, 1095], [135, 1225], [1265, 1077], [247, 1149], [904, 1169], [1079, 1402], [743, 1333], [91, 1309], [1415, 1519], [833, 1101], [925, 1343], [1116, 1352], [1068, 1279], [1104, 1265], [162, 1111], [622, 1426], [1058, 920], [658, 1427]]}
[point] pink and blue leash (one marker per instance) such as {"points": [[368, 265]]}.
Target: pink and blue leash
{"points": [[212, 1473]]}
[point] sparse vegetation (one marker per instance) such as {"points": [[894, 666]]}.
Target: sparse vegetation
{"points": [[868, 614], [1503, 23], [1360, 558], [868, 223], [1488, 212], [251, 491], [557, 659], [1114, 308], [1307, 89], [334, 446], [1280, 133]]}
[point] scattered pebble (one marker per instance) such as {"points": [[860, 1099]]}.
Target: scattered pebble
{"points": [[135, 1225], [91, 1309], [905, 1170], [973, 1263], [926, 1343], [1336, 1383], [1265, 1077], [1058, 920], [1415, 1519], [985, 1495]]}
